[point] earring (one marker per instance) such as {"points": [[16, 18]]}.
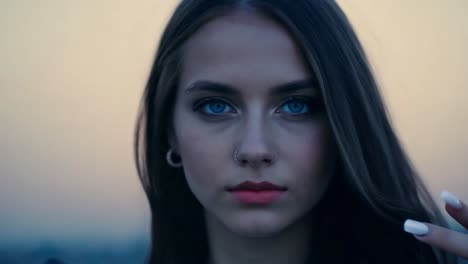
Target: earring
{"points": [[171, 162]]}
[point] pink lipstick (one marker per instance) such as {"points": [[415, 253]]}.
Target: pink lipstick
{"points": [[257, 193]]}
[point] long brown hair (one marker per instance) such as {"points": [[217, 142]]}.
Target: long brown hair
{"points": [[374, 190]]}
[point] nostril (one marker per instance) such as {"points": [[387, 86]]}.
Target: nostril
{"points": [[254, 159], [243, 162]]}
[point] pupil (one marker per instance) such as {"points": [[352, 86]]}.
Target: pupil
{"points": [[296, 107], [217, 107]]}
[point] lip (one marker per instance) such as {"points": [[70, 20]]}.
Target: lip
{"points": [[262, 193], [253, 186]]}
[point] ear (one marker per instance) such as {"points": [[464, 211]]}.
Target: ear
{"points": [[171, 138]]}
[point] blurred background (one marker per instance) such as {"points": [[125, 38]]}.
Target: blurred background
{"points": [[71, 77]]}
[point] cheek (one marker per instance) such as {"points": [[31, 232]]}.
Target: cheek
{"points": [[204, 154], [309, 158]]}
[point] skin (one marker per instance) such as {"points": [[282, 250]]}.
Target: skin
{"points": [[253, 55], [446, 239]]}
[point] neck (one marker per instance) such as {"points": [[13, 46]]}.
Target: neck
{"points": [[291, 245]]}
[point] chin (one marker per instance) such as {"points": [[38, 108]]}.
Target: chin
{"points": [[257, 225]]}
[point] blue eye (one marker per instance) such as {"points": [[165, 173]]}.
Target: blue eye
{"points": [[295, 106], [213, 107]]}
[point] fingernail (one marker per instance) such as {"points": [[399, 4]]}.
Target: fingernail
{"points": [[415, 227], [450, 199]]}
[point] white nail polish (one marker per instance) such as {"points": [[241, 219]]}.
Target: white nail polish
{"points": [[416, 228], [451, 199]]}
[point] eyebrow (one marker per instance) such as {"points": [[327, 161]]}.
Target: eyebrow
{"points": [[227, 89]]}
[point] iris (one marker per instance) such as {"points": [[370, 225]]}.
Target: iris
{"points": [[215, 107], [295, 106]]}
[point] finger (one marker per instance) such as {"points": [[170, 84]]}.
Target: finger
{"points": [[455, 208], [446, 239]]}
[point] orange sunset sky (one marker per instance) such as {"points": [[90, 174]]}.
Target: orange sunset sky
{"points": [[72, 73]]}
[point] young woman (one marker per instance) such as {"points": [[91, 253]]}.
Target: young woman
{"points": [[262, 138]]}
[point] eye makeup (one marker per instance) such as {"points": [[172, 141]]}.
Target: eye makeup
{"points": [[300, 105], [292, 100], [296, 106], [217, 106]]}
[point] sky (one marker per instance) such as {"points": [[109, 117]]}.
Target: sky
{"points": [[72, 74]]}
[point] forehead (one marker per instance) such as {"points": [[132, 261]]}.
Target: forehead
{"points": [[243, 49]]}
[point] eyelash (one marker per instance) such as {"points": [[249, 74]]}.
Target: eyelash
{"points": [[310, 102], [307, 101]]}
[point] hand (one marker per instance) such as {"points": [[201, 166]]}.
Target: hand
{"points": [[446, 239]]}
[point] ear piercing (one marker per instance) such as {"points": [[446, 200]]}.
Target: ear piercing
{"points": [[169, 157]]}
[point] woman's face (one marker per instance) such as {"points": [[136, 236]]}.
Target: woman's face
{"points": [[245, 88]]}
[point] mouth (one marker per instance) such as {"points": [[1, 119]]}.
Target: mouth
{"points": [[257, 193], [253, 186]]}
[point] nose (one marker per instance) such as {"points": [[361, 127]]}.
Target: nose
{"points": [[254, 150]]}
